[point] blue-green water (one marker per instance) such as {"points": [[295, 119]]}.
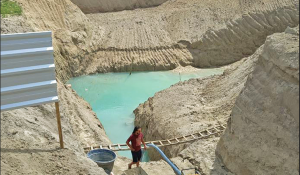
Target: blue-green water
{"points": [[114, 96]]}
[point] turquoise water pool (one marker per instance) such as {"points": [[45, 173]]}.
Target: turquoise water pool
{"points": [[114, 96]]}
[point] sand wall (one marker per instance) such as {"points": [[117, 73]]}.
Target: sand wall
{"points": [[262, 136]]}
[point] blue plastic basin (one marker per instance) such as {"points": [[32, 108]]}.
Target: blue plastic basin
{"points": [[104, 158]]}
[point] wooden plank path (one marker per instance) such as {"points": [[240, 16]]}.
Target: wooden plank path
{"points": [[160, 143]]}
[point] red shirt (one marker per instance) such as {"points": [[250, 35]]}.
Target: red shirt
{"points": [[136, 141]]}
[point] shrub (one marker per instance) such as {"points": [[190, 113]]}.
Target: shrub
{"points": [[9, 8]]}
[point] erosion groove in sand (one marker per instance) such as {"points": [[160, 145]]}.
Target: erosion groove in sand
{"points": [[121, 60], [215, 48], [241, 37]]}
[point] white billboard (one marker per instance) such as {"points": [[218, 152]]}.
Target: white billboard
{"points": [[27, 70]]}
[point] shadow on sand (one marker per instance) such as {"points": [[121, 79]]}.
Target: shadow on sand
{"points": [[8, 150]]}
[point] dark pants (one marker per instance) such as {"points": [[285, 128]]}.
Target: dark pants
{"points": [[136, 155]]}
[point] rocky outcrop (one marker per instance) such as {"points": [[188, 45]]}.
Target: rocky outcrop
{"points": [[98, 6], [262, 136]]}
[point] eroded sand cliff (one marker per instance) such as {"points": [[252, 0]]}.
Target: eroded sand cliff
{"points": [[191, 106], [263, 128], [262, 136]]}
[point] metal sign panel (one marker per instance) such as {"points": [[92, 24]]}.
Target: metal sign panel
{"points": [[27, 70]]}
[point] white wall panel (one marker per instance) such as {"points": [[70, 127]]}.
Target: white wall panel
{"points": [[27, 70]]}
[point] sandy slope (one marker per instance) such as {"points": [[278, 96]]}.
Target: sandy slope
{"points": [[262, 136], [29, 138], [263, 127], [190, 107], [199, 33]]}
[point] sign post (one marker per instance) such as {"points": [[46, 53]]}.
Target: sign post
{"points": [[59, 125]]}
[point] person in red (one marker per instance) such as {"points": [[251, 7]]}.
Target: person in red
{"points": [[136, 140]]}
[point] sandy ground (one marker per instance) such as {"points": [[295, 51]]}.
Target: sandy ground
{"points": [[186, 69]]}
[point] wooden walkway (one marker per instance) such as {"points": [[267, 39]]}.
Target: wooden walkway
{"points": [[160, 143]]}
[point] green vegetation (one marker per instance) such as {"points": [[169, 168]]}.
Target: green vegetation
{"points": [[10, 8]]}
